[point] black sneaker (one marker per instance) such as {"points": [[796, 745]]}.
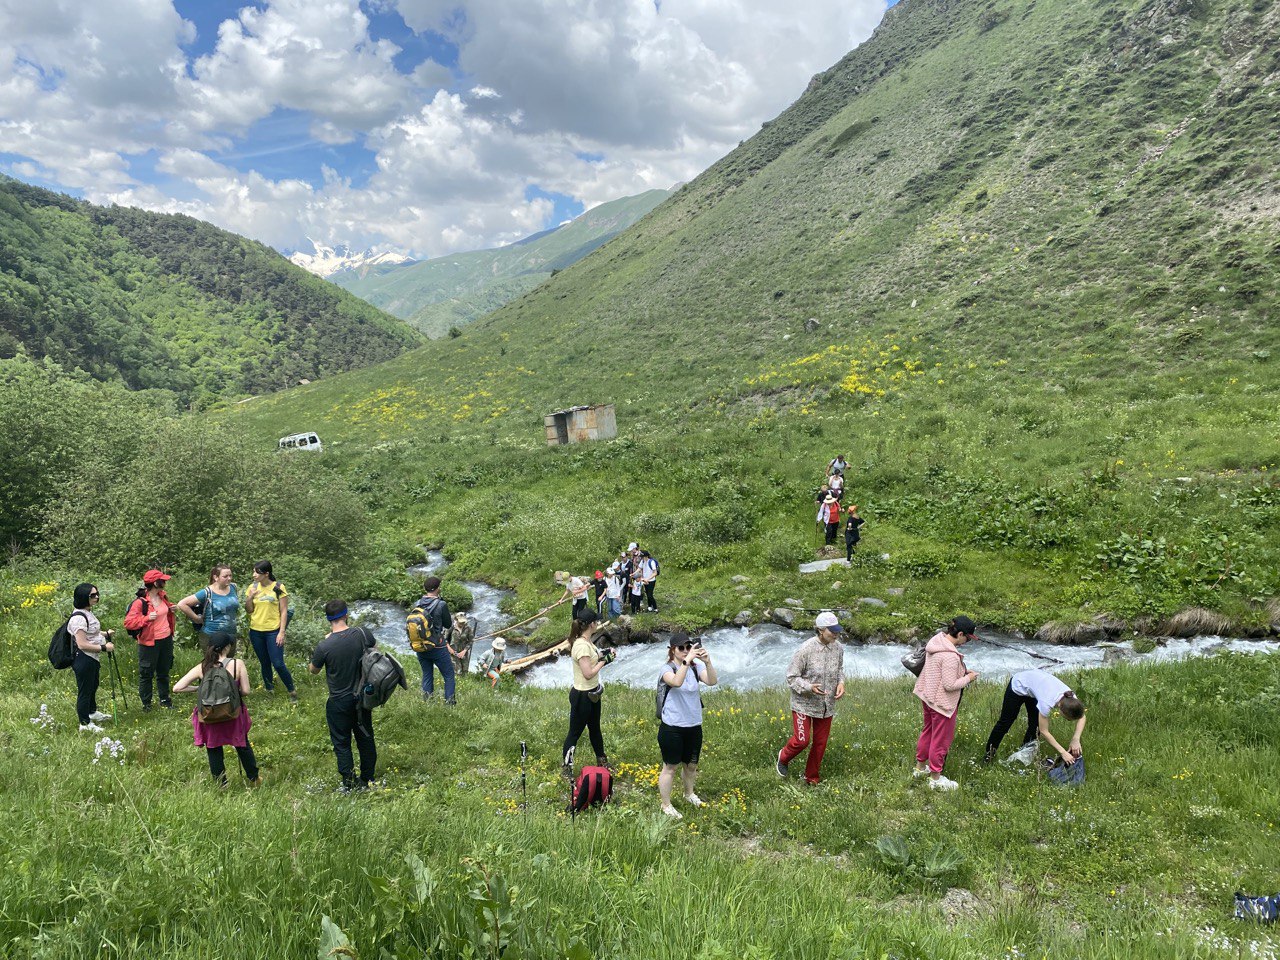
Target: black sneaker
{"points": [[146, 708], [780, 766], [167, 704], [990, 755]]}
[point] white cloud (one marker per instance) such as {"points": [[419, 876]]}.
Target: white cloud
{"points": [[658, 92]]}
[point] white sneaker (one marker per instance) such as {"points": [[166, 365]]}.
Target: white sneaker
{"points": [[99, 716], [91, 727], [942, 783], [919, 771], [673, 813], [693, 800]]}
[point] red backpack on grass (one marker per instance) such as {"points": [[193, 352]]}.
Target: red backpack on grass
{"points": [[593, 788]]}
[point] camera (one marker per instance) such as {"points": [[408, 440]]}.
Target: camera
{"points": [[696, 641]]}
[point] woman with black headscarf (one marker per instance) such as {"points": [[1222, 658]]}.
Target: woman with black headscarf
{"points": [[91, 643]]}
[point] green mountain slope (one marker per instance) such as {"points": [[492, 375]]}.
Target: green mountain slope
{"points": [[1037, 241], [169, 302], [437, 295]]}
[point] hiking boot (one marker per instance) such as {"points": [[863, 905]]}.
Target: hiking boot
{"points": [[780, 766], [349, 785], [942, 783], [293, 696]]}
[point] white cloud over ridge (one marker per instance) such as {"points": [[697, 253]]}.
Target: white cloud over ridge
{"points": [[594, 99]]}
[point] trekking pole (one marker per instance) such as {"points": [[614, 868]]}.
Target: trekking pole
{"points": [[113, 673], [524, 790], [1029, 653], [512, 626]]}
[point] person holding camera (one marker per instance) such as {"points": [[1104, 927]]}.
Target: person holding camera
{"points": [[91, 644], [680, 730], [585, 694]]}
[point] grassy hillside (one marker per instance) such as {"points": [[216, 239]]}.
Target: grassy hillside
{"points": [[169, 302], [438, 295], [1038, 242], [124, 849]]}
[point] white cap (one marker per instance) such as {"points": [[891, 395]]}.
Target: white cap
{"points": [[828, 620], [631, 546]]}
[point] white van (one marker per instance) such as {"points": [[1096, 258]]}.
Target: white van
{"points": [[301, 441]]}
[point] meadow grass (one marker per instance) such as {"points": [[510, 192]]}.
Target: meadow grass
{"points": [[141, 856]]}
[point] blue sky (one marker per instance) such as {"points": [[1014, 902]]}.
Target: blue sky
{"points": [[420, 126]]}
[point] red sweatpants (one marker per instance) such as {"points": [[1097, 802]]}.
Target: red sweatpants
{"points": [[935, 739], [810, 732]]}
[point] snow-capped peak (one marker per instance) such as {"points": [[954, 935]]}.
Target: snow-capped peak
{"points": [[326, 261]]}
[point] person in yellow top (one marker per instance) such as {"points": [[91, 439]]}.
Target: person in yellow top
{"points": [[584, 696], [267, 604]]}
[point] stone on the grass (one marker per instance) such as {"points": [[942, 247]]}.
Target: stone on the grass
{"points": [[818, 566], [872, 602]]}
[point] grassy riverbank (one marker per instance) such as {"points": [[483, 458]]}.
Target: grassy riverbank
{"points": [[138, 856]]}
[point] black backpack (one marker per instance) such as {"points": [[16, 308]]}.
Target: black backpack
{"points": [[380, 674], [146, 605], [62, 648]]}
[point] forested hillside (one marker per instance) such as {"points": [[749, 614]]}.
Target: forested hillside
{"points": [[449, 292], [170, 302], [1016, 258]]}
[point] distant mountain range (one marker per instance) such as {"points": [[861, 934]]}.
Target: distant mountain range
{"points": [[446, 292], [326, 261]]}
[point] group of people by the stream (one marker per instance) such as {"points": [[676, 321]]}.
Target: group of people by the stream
{"points": [[832, 509], [815, 676]]}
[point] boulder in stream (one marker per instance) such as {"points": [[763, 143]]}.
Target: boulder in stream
{"points": [[744, 618], [784, 617]]}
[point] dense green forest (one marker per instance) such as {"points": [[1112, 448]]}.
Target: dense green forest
{"points": [[168, 302]]}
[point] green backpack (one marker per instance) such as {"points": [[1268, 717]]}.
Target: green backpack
{"points": [[218, 698]]}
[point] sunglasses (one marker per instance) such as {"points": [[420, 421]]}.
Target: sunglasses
{"points": [[94, 595]]}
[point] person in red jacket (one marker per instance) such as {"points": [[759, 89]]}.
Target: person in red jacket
{"points": [[151, 621], [829, 517]]}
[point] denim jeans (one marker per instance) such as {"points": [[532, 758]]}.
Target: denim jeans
{"points": [[438, 657], [615, 608], [270, 654]]}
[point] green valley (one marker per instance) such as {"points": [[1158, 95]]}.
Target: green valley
{"points": [[167, 302], [446, 293]]}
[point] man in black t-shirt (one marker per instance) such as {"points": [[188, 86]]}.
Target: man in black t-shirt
{"points": [[339, 656]]}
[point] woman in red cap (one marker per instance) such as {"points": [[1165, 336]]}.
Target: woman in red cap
{"points": [[150, 620]]}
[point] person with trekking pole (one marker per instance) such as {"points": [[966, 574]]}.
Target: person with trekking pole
{"points": [[940, 688], [221, 717], [151, 621], [816, 679], [587, 690], [90, 644], [688, 667], [267, 604], [339, 655]]}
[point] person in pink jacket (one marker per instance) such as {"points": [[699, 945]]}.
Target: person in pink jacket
{"points": [[941, 683]]}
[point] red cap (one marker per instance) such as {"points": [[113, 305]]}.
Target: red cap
{"points": [[599, 575], [155, 576]]}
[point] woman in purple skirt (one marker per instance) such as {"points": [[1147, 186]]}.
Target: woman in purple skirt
{"points": [[228, 733]]}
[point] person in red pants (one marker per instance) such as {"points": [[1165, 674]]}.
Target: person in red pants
{"points": [[941, 684], [816, 679]]}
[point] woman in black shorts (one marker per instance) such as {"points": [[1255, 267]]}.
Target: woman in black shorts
{"points": [[680, 732]]}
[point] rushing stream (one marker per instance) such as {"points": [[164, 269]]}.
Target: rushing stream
{"points": [[749, 658]]}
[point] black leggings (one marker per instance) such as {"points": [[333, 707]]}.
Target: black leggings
{"points": [[848, 548], [1013, 702], [88, 672], [218, 766], [584, 714]]}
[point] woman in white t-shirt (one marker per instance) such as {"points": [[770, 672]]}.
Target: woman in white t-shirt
{"points": [[680, 727], [91, 644], [1039, 693]]}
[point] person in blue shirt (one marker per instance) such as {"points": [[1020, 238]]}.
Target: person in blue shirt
{"points": [[219, 603], [687, 669]]}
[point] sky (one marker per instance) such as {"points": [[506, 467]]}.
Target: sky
{"points": [[422, 127]]}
